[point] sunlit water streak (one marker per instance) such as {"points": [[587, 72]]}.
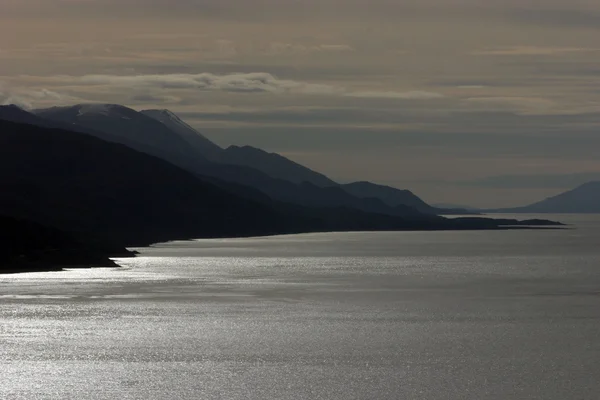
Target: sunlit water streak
{"points": [[415, 315]]}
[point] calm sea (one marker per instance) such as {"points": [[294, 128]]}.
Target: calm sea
{"points": [[406, 315]]}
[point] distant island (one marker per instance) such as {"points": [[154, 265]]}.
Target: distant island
{"points": [[80, 184]]}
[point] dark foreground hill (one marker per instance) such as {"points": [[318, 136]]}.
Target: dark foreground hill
{"points": [[81, 183], [29, 246]]}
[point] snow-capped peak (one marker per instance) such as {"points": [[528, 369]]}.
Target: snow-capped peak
{"points": [[173, 122], [165, 116]]}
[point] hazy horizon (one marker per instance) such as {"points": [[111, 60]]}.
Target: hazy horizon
{"points": [[480, 103]]}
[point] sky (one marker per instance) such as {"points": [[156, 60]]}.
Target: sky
{"points": [[487, 103]]}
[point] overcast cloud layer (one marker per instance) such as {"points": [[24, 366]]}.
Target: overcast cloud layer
{"points": [[484, 102]]}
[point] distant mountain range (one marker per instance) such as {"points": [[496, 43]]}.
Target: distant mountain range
{"points": [[397, 198], [583, 199], [161, 133], [112, 177]]}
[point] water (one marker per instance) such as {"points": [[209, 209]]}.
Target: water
{"points": [[413, 315]]}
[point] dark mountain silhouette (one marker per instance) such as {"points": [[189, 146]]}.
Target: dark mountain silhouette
{"points": [[108, 196], [108, 193], [582, 199], [398, 197], [14, 113], [140, 132], [119, 124], [305, 194], [79, 183], [391, 196], [273, 165], [162, 134], [202, 145]]}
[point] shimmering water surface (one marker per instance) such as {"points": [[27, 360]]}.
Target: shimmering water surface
{"points": [[413, 315]]}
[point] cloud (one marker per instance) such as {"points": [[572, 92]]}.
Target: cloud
{"points": [[334, 47], [7, 99], [27, 98], [532, 51], [518, 105], [413, 95], [570, 15], [251, 82], [154, 99], [277, 48], [255, 82]]}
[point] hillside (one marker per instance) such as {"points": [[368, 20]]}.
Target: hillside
{"points": [[389, 195], [200, 144], [273, 165], [240, 166], [108, 191], [109, 196], [80, 183], [119, 124]]}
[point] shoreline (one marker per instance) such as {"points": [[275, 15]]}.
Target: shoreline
{"points": [[19, 268], [24, 269], [557, 226]]}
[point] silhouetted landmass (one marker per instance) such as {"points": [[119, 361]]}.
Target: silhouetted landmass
{"points": [[109, 195], [14, 113], [119, 124], [389, 195], [398, 197], [200, 144], [161, 133], [305, 194], [508, 222], [80, 183], [583, 199], [273, 165], [29, 246]]}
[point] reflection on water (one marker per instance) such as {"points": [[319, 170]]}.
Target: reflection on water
{"points": [[416, 315]]}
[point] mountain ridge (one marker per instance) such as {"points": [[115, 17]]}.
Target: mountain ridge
{"points": [[204, 146], [274, 165], [237, 163], [110, 196]]}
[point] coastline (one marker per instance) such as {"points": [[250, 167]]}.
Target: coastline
{"points": [[13, 269], [94, 259]]}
